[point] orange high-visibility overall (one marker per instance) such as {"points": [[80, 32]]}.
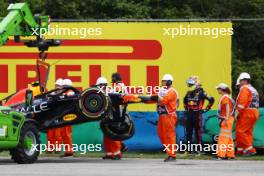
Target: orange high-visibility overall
{"points": [[112, 147], [166, 109], [247, 105], [54, 139], [225, 140], [66, 133]]}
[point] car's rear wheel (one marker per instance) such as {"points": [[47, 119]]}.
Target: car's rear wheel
{"points": [[94, 104], [118, 130], [27, 150]]}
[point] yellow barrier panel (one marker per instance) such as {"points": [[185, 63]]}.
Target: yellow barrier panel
{"points": [[142, 52]]}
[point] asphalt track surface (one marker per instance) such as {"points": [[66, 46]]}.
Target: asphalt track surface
{"points": [[130, 166]]}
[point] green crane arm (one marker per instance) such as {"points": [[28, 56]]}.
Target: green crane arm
{"points": [[21, 22]]}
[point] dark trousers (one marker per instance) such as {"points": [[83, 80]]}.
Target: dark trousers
{"points": [[194, 123]]}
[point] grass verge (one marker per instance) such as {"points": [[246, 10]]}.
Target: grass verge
{"points": [[147, 155]]}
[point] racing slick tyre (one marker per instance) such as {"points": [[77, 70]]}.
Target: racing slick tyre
{"points": [[118, 130], [94, 104], [27, 150]]}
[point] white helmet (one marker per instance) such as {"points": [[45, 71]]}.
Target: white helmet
{"points": [[222, 86], [244, 75], [67, 82], [167, 77], [59, 82], [101, 80]]}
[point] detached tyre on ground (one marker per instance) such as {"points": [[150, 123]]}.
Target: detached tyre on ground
{"points": [[118, 130], [26, 151]]}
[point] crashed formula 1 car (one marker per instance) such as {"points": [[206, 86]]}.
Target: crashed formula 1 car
{"points": [[55, 109], [33, 109]]}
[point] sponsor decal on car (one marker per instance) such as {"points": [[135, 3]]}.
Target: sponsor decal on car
{"points": [[70, 117], [35, 108]]}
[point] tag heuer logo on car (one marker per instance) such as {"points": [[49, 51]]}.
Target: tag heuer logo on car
{"points": [[70, 117]]}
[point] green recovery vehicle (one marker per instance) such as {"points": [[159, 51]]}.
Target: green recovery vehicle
{"points": [[18, 135]]}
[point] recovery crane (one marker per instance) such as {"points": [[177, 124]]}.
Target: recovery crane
{"points": [[20, 22]]}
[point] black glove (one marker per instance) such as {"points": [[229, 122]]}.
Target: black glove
{"points": [[154, 98]]}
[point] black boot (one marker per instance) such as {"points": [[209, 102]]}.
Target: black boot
{"points": [[170, 159], [117, 157], [107, 157]]}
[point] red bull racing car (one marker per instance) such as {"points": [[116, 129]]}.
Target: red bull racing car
{"points": [[53, 109]]}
